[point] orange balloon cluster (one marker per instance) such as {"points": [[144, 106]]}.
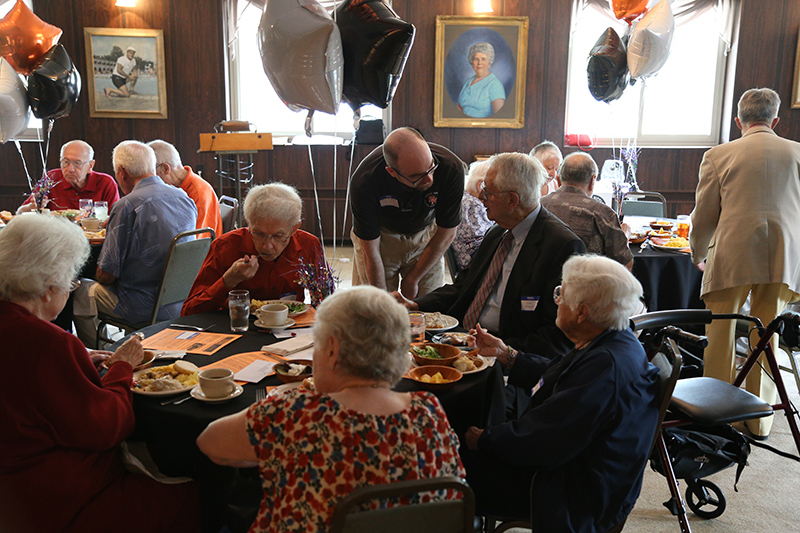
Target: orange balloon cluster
{"points": [[25, 38], [628, 10]]}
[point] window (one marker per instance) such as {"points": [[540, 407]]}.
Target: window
{"points": [[693, 78], [34, 131], [253, 98]]}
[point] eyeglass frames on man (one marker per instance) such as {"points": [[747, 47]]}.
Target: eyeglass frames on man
{"points": [[74, 284], [418, 177], [276, 238], [75, 163], [557, 298], [486, 194]]}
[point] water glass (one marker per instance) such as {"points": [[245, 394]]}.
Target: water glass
{"points": [[239, 309], [417, 320], [85, 206], [101, 210]]}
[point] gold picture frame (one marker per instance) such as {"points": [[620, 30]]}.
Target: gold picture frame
{"points": [[140, 94], [455, 77], [796, 84]]}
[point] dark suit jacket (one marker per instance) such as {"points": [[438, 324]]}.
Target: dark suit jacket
{"points": [[536, 272]]}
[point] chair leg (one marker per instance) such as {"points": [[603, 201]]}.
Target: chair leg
{"points": [[676, 505]]}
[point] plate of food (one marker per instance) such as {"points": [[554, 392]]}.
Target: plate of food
{"points": [[166, 380], [295, 308], [673, 244], [661, 225], [434, 378], [95, 237], [455, 338], [307, 384], [69, 214], [660, 234], [637, 237], [436, 322], [426, 353], [471, 362], [673, 249]]}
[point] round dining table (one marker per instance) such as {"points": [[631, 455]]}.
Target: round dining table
{"points": [[669, 279], [170, 430]]}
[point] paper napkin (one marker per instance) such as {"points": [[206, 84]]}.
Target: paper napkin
{"points": [[290, 346]]}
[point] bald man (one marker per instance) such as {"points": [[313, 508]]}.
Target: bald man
{"points": [[406, 202]]}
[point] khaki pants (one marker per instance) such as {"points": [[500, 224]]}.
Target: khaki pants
{"points": [[767, 301], [90, 298], [399, 254]]}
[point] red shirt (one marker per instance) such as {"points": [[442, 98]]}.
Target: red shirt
{"points": [[98, 186], [274, 279]]}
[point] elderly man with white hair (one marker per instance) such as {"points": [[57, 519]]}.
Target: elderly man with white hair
{"points": [[507, 285], [140, 228], [76, 180], [587, 431], [170, 169], [262, 258]]}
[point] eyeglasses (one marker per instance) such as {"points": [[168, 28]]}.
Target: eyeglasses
{"points": [[557, 295], [414, 179], [74, 284], [277, 238], [75, 164], [484, 193]]}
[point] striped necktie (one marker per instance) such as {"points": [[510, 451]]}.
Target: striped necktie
{"points": [[475, 308]]}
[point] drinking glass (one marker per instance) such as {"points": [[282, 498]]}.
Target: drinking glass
{"points": [[101, 210], [417, 320], [239, 309], [684, 222], [85, 207]]}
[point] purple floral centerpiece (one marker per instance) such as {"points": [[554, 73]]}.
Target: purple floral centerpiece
{"points": [[318, 279], [40, 192]]}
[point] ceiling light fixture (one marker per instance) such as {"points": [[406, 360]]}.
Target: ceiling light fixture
{"points": [[125, 3], [483, 6]]}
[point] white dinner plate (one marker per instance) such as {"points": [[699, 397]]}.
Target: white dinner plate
{"points": [[283, 389], [286, 302], [158, 393], [197, 394], [671, 249], [289, 323], [449, 323]]}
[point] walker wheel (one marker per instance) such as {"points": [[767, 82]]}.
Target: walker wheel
{"points": [[705, 498]]}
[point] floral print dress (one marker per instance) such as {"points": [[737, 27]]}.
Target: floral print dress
{"points": [[313, 452]]}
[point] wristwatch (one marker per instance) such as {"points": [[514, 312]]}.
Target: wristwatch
{"points": [[512, 356]]}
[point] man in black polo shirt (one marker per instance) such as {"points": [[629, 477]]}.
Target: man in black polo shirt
{"points": [[406, 202]]}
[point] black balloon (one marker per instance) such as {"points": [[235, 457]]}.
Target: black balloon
{"points": [[54, 84], [608, 67], [375, 45]]}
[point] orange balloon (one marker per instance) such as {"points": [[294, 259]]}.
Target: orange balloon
{"points": [[24, 38], [628, 9]]}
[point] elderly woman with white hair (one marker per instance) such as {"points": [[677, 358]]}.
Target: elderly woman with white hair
{"points": [[587, 431], [62, 424], [315, 447], [483, 94], [474, 222], [262, 258]]}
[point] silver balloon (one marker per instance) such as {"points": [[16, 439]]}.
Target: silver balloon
{"points": [[14, 108], [650, 42], [301, 50]]}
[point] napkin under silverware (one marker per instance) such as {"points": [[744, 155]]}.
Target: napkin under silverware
{"points": [[290, 346]]}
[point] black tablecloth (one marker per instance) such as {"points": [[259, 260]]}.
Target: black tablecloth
{"points": [[669, 279], [89, 270]]}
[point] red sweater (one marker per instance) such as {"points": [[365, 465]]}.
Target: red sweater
{"points": [[273, 280], [61, 424]]}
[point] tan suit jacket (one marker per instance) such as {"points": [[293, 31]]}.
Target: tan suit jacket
{"points": [[746, 221]]}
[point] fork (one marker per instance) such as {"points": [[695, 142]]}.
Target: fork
{"points": [[190, 326], [261, 393], [643, 246]]}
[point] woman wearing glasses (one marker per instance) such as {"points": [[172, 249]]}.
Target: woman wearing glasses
{"points": [[262, 258], [62, 424], [76, 180]]}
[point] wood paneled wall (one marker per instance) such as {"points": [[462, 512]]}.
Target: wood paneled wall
{"points": [[193, 31]]}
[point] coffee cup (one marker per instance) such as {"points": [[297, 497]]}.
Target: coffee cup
{"points": [[273, 314], [216, 382], [90, 224]]}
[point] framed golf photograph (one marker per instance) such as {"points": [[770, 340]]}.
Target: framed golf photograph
{"points": [[127, 77], [480, 72]]}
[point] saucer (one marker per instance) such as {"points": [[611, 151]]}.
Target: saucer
{"points": [[289, 323], [197, 394]]}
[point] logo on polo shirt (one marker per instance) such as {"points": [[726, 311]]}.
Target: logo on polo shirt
{"points": [[430, 199]]}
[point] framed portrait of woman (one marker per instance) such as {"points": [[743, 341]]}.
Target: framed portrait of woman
{"points": [[480, 72]]}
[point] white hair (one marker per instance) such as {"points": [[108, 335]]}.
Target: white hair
{"points": [[607, 287], [37, 252], [758, 105], [477, 173], [481, 48], [520, 173], [273, 201], [166, 153], [83, 144], [135, 157], [372, 329]]}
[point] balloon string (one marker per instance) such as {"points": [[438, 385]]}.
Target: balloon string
{"points": [[347, 193], [25, 166], [50, 123], [316, 194]]}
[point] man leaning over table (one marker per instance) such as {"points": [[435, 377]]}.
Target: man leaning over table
{"points": [[76, 180], [170, 169], [140, 228], [263, 258], [746, 235], [508, 285]]}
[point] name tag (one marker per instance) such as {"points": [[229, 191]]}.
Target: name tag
{"points": [[538, 386], [389, 201], [529, 303]]}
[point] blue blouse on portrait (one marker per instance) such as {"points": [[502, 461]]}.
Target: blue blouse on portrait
{"points": [[476, 100]]}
